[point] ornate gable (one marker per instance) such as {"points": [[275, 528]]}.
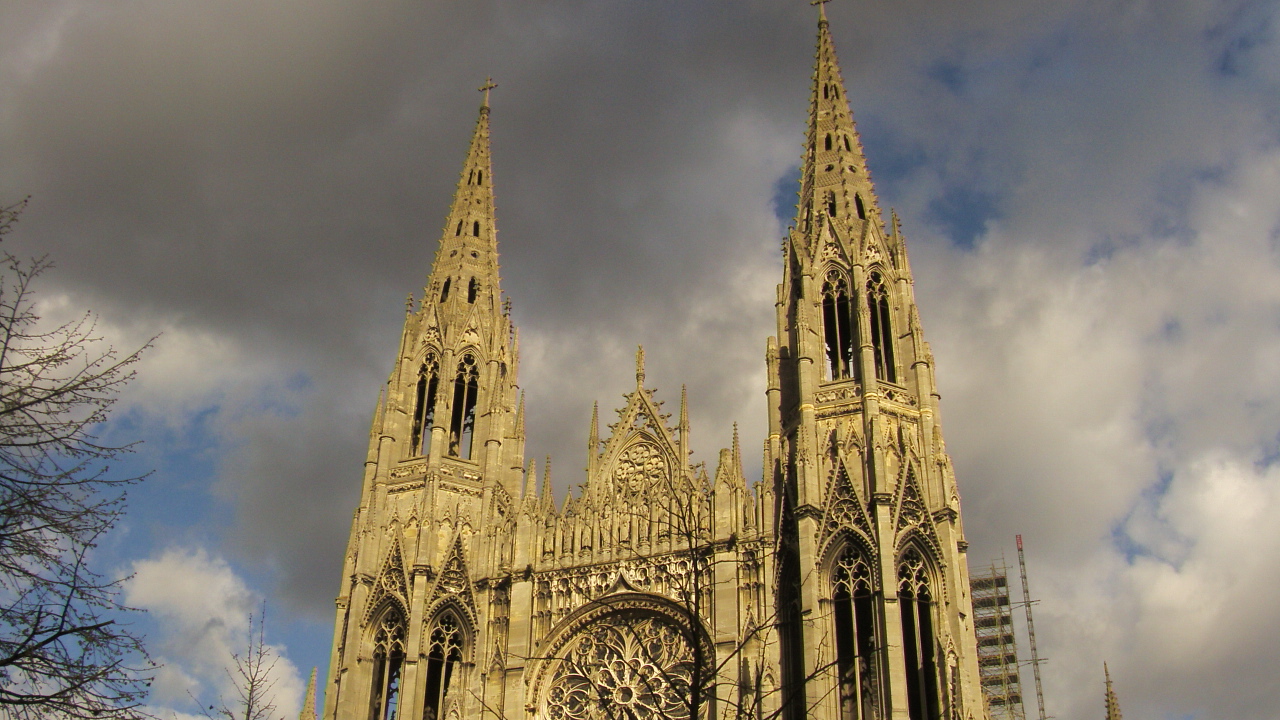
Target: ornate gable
{"points": [[390, 585], [454, 580]]}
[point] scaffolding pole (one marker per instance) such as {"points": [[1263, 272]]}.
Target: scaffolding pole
{"points": [[1031, 629]]}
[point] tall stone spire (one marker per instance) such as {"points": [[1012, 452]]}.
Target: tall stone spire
{"points": [[834, 181], [856, 453], [1113, 702], [469, 243], [309, 699], [444, 468]]}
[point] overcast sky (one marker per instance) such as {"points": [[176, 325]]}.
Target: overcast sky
{"points": [[1090, 190]]}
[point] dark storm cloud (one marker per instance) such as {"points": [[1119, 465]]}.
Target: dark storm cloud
{"points": [[267, 180]]}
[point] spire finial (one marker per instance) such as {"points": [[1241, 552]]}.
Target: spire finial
{"points": [[640, 366], [822, 9], [489, 84]]}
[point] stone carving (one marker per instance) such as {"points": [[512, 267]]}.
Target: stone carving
{"points": [[620, 666], [405, 471], [639, 468]]}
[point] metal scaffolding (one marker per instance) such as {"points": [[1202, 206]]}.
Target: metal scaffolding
{"points": [[1027, 602], [997, 645]]}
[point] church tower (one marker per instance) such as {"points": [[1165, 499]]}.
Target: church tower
{"points": [[834, 588], [445, 453], [872, 593]]}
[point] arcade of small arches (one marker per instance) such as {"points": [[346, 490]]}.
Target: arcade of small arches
{"points": [[858, 643], [462, 421], [841, 328]]}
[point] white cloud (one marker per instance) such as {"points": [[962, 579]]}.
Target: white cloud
{"points": [[1124, 414], [202, 613]]}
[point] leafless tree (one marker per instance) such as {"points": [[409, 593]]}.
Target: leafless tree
{"points": [[66, 649], [253, 676]]}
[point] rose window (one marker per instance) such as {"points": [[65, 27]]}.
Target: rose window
{"points": [[623, 668]]}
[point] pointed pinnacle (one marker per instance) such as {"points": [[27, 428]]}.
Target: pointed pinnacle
{"points": [[520, 417], [309, 699], [547, 496], [593, 441], [376, 426], [530, 491], [640, 366], [737, 450]]}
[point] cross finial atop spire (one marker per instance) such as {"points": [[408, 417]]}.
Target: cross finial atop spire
{"points": [[822, 8], [489, 84]]}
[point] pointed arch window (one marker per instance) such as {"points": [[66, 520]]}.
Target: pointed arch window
{"points": [[475, 228], [443, 656], [473, 287], [831, 203], [388, 664], [828, 141], [826, 91], [881, 328], [919, 644], [424, 414], [479, 177], [847, 145], [856, 643], [838, 325], [857, 203], [459, 230], [463, 423], [444, 290]]}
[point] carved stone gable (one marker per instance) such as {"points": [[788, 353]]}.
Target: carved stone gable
{"points": [[843, 508], [454, 579], [389, 584]]}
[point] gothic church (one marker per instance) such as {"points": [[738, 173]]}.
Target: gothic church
{"points": [[835, 588]]}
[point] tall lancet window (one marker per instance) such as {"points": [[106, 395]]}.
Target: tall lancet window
{"points": [[881, 328], [424, 413], [919, 644], [838, 323], [388, 663], [465, 388], [443, 656], [855, 637]]}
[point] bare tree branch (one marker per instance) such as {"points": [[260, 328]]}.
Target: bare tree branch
{"points": [[252, 674], [66, 648]]}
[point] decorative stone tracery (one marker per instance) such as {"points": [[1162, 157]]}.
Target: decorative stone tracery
{"points": [[624, 665], [639, 468]]}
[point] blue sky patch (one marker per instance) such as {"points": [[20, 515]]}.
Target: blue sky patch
{"points": [[963, 214]]}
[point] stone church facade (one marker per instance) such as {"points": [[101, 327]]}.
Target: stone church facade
{"points": [[836, 587]]}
